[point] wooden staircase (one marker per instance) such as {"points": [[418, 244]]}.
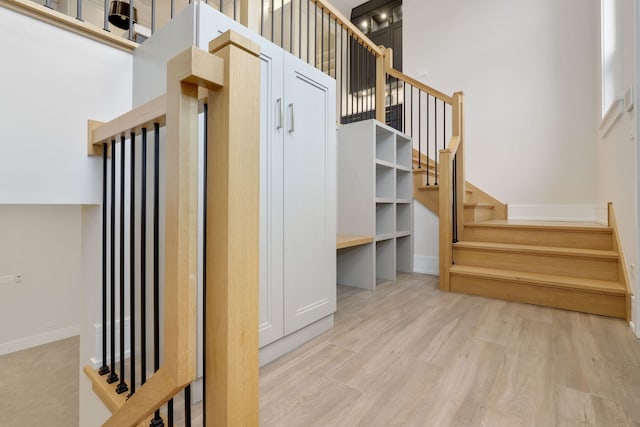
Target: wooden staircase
{"points": [[572, 266]]}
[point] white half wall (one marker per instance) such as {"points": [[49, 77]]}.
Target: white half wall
{"points": [[41, 244], [617, 154], [528, 70], [53, 81], [425, 240]]}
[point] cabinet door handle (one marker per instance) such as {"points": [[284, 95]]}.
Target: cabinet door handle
{"points": [[291, 122], [280, 113]]}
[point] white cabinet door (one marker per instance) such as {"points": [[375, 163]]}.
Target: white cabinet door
{"points": [[309, 195], [271, 320]]}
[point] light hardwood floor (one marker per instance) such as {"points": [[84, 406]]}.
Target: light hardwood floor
{"points": [[404, 355], [410, 355]]}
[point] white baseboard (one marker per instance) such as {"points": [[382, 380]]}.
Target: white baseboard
{"points": [[426, 264], [587, 213], [40, 339]]}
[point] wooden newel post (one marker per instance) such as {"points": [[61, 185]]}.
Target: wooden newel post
{"points": [[233, 163], [380, 87], [458, 125], [445, 218]]}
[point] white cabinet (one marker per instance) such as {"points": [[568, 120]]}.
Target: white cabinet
{"points": [[297, 175], [375, 198], [297, 187]]}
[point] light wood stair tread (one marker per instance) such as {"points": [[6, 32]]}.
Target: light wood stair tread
{"points": [[541, 225], [547, 280], [541, 250], [428, 187], [479, 205]]}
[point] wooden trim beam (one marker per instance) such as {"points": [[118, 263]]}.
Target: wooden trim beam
{"points": [[381, 86], [232, 238], [60, 20]]}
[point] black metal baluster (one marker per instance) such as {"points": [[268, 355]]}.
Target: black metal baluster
{"points": [[291, 27], [358, 82], [170, 413], [79, 10], [157, 420], [262, 18], [153, 16], [220, 6], [113, 377], [435, 134], [106, 26], [282, 24], [122, 386], [444, 125], [187, 406], [47, 3], [322, 40], [428, 125], [315, 34], [420, 135], [143, 260], [131, 23], [455, 199], [411, 109], [173, 8], [308, 29], [272, 20], [235, 10], [132, 270], [404, 106], [104, 369], [341, 85], [300, 29]]}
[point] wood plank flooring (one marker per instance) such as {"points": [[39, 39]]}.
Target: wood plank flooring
{"points": [[410, 355]]}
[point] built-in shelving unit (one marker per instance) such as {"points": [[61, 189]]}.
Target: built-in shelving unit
{"points": [[375, 198]]}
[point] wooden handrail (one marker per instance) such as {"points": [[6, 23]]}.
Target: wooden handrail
{"points": [[349, 26], [231, 118], [419, 85]]}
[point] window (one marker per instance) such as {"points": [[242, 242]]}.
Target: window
{"points": [[611, 47]]}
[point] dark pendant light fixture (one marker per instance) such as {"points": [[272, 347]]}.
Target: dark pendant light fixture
{"points": [[119, 14]]}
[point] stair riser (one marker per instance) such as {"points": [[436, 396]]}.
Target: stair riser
{"points": [[477, 214], [587, 268], [540, 237], [568, 299]]}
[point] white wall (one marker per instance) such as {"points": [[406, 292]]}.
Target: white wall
{"points": [[52, 82], [617, 154], [529, 71], [42, 244]]}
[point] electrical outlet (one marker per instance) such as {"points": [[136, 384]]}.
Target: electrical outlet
{"points": [[10, 279]]}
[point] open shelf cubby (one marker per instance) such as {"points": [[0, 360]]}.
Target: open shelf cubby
{"points": [[403, 217], [404, 254], [384, 145], [386, 260], [375, 198], [385, 182], [403, 151], [385, 218], [404, 184]]}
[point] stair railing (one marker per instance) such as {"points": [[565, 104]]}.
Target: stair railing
{"points": [[227, 81]]}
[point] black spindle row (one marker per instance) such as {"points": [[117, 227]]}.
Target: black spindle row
{"points": [[307, 30], [423, 117]]}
